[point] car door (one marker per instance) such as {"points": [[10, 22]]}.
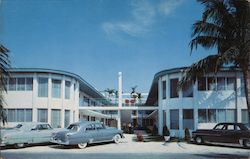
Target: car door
{"points": [[215, 134], [104, 134], [233, 133], [91, 134], [41, 133]]}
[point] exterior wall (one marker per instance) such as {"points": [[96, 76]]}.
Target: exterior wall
{"points": [[30, 100], [225, 99]]}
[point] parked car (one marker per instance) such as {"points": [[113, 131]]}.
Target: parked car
{"points": [[224, 133], [86, 132], [26, 133]]}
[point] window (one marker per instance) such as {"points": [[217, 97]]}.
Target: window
{"points": [[164, 89], [230, 115], [244, 116], [42, 115], [207, 115], [12, 84], [67, 118], [99, 126], [202, 84], [42, 87], [67, 89], [92, 118], [211, 83], [20, 84], [242, 89], [221, 115], [56, 88], [202, 115], [19, 115], [11, 115], [221, 83], [29, 84], [90, 127], [188, 119], [187, 90], [56, 118], [173, 88], [231, 83], [28, 115], [212, 115], [174, 119]]}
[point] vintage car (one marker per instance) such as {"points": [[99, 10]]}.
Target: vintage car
{"points": [[224, 133], [86, 132], [27, 133]]}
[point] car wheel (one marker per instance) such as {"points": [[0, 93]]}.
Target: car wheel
{"points": [[117, 138], [19, 145], [246, 143], [198, 140], [82, 145]]}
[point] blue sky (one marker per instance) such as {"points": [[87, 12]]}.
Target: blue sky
{"points": [[98, 38]]}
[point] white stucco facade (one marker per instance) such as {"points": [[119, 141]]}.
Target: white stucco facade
{"points": [[27, 105], [204, 108]]}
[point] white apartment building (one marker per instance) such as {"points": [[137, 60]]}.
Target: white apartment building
{"points": [[211, 99], [52, 96]]}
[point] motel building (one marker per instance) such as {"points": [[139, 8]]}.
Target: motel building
{"points": [[60, 98], [210, 100], [53, 96]]}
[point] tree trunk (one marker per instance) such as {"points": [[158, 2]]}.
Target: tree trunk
{"points": [[246, 76]]}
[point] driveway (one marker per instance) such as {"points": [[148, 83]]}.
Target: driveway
{"points": [[128, 149]]}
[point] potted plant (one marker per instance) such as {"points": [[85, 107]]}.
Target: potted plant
{"points": [[166, 133], [187, 135]]}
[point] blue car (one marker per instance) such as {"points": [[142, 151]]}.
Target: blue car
{"points": [[86, 132]]}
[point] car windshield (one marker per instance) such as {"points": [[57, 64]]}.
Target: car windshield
{"points": [[73, 127], [248, 126]]}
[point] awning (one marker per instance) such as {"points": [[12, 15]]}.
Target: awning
{"points": [[94, 114]]}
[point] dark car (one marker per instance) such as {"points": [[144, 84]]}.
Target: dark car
{"points": [[224, 133], [86, 132]]}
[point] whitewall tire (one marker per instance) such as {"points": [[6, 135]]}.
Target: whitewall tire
{"points": [[117, 138], [82, 145], [198, 140]]}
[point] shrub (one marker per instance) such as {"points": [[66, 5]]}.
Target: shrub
{"points": [[165, 131], [187, 135], [140, 137]]}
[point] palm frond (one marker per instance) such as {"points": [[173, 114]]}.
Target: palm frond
{"points": [[198, 69]]}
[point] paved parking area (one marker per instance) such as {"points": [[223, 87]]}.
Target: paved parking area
{"points": [[127, 146]]}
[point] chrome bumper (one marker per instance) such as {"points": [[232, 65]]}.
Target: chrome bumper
{"points": [[58, 141]]}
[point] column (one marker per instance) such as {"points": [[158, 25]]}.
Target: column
{"points": [[34, 97], [160, 111], [49, 98], [62, 98], [119, 99]]}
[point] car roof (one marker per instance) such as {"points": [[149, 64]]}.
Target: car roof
{"points": [[82, 123]]}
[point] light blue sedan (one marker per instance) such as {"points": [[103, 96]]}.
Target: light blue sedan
{"points": [[86, 132], [27, 133]]}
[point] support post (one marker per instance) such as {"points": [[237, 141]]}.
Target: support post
{"points": [[119, 100]]}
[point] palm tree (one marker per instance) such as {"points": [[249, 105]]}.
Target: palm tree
{"points": [[110, 92], [225, 25], [4, 66]]}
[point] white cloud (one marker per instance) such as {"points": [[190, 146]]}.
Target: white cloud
{"points": [[167, 6], [143, 16]]}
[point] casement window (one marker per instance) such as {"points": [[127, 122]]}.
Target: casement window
{"points": [[173, 88], [42, 87]]}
